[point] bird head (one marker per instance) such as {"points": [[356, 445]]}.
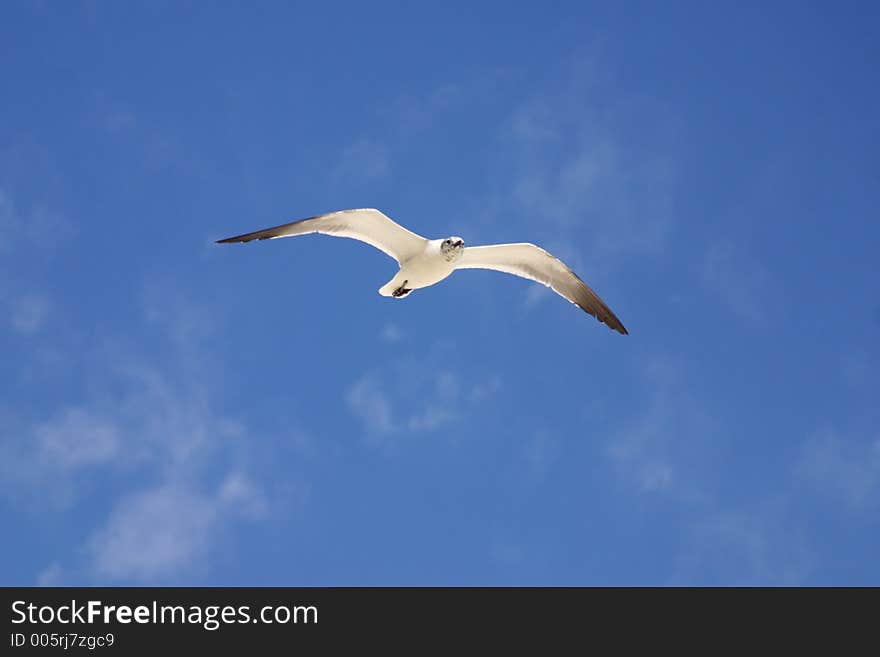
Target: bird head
{"points": [[452, 247]]}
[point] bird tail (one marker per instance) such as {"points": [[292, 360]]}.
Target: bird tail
{"points": [[395, 288]]}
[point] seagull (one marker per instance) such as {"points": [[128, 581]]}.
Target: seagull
{"points": [[424, 262]]}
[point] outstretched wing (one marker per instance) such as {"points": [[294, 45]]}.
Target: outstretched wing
{"points": [[367, 225], [534, 263]]}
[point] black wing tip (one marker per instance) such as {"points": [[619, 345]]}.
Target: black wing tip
{"points": [[614, 324], [610, 321], [243, 239]]}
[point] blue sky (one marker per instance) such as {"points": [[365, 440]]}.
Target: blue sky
{"points": [[178, 412]]}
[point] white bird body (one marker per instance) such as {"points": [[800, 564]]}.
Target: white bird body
{"points": [[421, 270], [425, 262]]}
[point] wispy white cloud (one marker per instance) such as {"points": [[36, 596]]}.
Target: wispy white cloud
{"points": [[538, 294], [413, 396], [76, 438], [441, 406], [585, 170], [656, 448], [153, 534], [168, 529], [368, 400], [29, 232], [157, 532], [138, 421], [761, 547], [484, 389], [240, 492], [577, 170], [425, 408], [669, 452], [432, 417]]}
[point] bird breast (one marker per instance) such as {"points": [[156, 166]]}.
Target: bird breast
{"points": [[426, 268]]}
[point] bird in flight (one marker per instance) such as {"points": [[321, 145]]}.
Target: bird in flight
{"points": [[424, 262]]}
